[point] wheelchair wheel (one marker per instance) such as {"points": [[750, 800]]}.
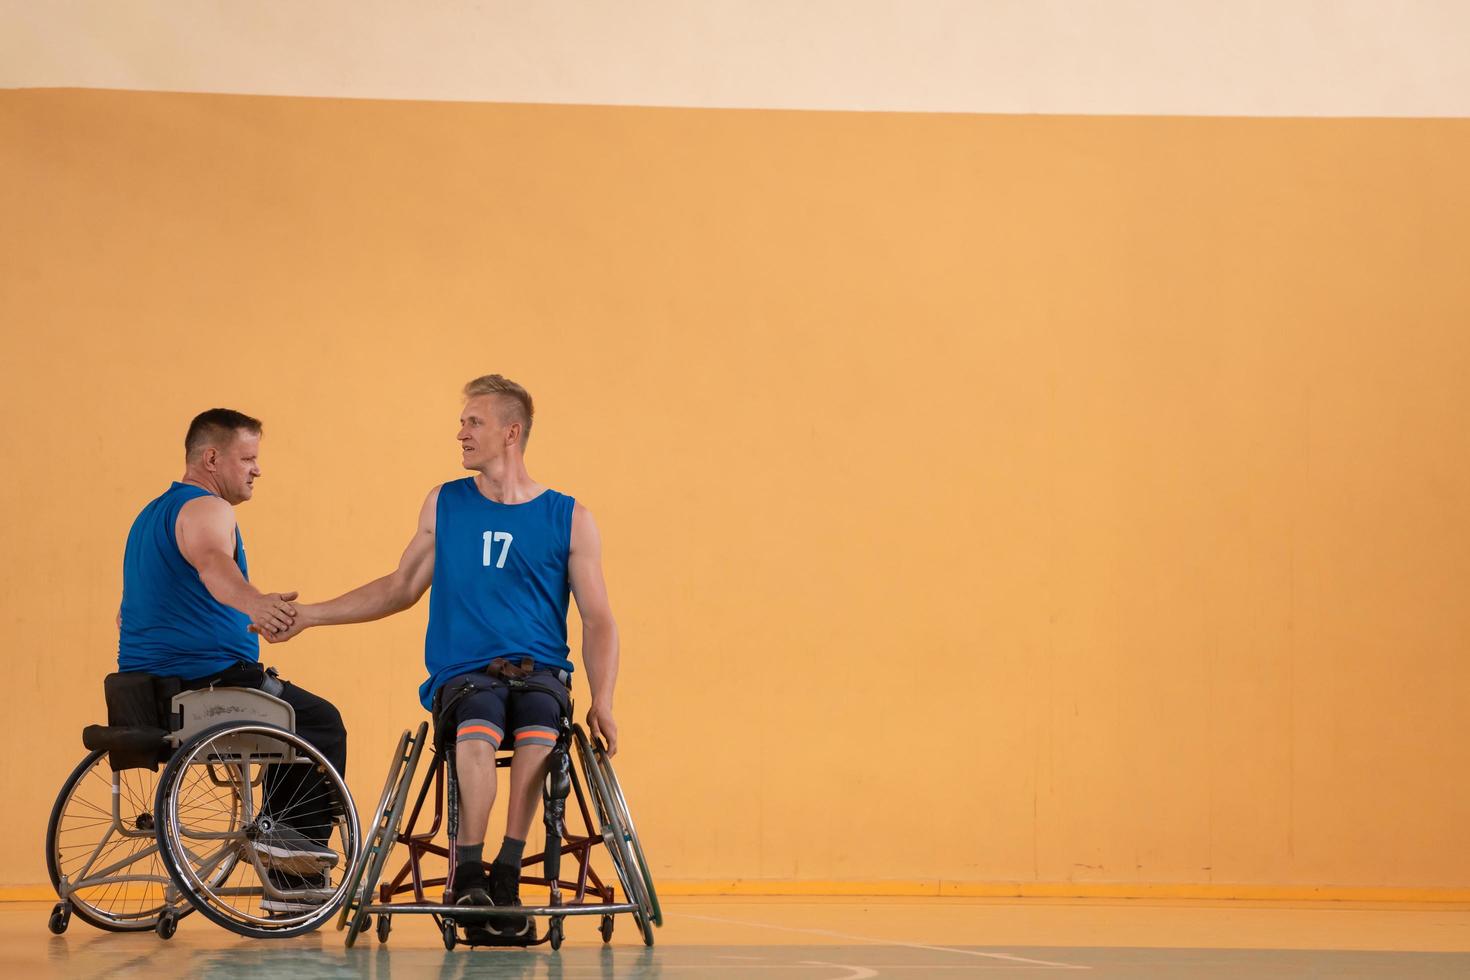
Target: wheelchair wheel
{"points": [[634, 846], [266, 803], [615, 835], [104, 863], [382, 834]]}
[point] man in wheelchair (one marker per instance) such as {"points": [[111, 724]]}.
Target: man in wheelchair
{"points": [[503, 554], [189, 613]]}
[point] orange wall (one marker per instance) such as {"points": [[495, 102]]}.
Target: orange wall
{"points": [[1034, 499]]}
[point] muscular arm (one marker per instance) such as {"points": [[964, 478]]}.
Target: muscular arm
{"points": [[599, 629], [390, 594], [205, 533]]}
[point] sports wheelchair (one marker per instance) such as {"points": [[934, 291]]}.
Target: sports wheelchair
{"points": [[221, 830], [607, 822]]}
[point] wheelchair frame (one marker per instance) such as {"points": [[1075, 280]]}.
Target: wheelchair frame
{"points": [[590, 895]]}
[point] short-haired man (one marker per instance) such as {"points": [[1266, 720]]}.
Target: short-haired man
{"points": [[502, 553], [189, 611]]}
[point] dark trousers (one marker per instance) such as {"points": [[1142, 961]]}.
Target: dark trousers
{"points": [[296, 793]]}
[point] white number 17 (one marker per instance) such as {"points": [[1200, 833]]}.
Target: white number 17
{"points": [[495, 537]]}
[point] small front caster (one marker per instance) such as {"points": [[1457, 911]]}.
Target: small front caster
{"points": [[60, 918], [167, 923], [385, 926], [449, 936], [554, 933], [606, 928]]}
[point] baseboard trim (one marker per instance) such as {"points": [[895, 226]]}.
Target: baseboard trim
{"points": [[930, 888]]}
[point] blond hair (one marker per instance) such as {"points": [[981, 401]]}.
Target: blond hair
{"points": [[515, 401]]}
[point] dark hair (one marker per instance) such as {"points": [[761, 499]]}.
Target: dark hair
{"points": [[217, 427]]}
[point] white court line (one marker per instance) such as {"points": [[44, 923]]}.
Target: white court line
{"points": [[858, 972], [884, 942]]}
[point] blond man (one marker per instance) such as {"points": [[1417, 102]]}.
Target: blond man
{"points": [[503, 554]]}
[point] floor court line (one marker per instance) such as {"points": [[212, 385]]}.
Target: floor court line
{"points": [[858, 972], [1049, 964]]}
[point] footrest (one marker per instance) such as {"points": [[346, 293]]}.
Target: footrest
{"points": [[480, 936], [482, 913]]}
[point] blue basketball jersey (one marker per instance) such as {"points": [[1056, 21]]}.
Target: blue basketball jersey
{"points": [[171, 625], [500, 583]]}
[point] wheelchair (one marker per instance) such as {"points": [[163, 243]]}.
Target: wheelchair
{"points": [[219, 831], [604, 816]]}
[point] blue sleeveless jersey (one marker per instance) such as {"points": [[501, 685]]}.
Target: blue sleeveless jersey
{"points": [[500, 583], [171, 625]]}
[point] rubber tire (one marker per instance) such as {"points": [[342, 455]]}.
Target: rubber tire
{"points": [[167, 923], [385, 926], [635, 845], [60, 918], [381, 838], [447, 931], [606, 928], [554, 932], [644, 927], [613, 836], [357, 927], [80, 908], [352, 931]]}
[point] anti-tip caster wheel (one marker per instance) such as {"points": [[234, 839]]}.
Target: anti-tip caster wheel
{"points": [[606, 928], [385, 926], [449, 937], [167, 923], [60, 918]]}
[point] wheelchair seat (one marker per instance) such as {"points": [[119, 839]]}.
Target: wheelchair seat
{"points": [[149, 716]]}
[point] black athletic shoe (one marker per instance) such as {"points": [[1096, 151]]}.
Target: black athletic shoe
{"points": [[505, 889], [471, 885]]}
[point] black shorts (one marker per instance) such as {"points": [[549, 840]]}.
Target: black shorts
{"points": [[503, 715]]}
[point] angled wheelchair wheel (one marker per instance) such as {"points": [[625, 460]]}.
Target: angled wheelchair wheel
{"points": [[382, 833], [102, 851], [635, 846], [615, 834], [256, 829]]}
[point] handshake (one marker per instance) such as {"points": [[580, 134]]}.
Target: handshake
{"points": [[276, 616]]}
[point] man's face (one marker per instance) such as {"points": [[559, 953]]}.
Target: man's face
{"points": [[481, 436], [237, 465]]}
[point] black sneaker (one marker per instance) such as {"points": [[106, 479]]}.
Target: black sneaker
{"points": [[505, 889], [471, 885]]}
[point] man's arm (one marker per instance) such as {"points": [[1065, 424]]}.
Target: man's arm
{"points": [[392, 593], [205, 532], [599, 630]]}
